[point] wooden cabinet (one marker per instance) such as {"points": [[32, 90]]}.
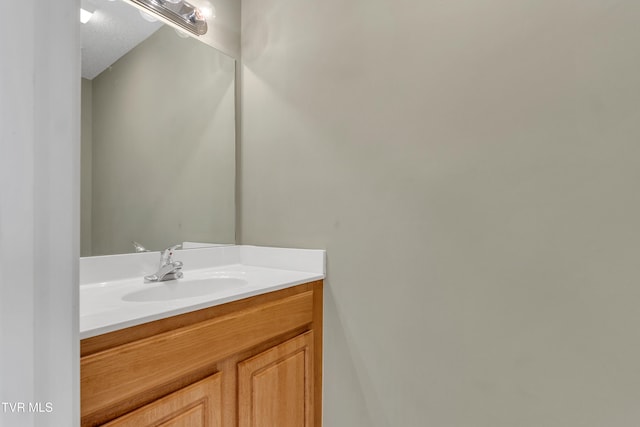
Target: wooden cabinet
{"points": [[276, 386], [255, 362]]}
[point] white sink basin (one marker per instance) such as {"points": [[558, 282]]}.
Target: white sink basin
{"points": [[113, 295], [178, 289]]}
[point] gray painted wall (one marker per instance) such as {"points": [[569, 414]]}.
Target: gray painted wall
{"points": [[157, 177], [472, 170]]}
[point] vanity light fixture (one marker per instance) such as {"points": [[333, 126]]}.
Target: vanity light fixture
{"points": [[181, 13]]}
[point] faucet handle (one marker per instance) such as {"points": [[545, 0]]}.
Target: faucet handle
{"points": [[167, 254]]}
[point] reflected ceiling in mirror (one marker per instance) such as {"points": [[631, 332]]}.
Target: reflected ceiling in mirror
{"points": [[158, 136]]}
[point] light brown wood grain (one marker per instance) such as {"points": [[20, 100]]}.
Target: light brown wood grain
{"points": [[112, 377], [275, 388], [199, 405], [229, 398]]}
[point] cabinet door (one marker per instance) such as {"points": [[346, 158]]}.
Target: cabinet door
{"points": [[275, 388], [198, 405]]}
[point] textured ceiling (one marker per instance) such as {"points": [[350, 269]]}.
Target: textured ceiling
{"points": [[114, 29]]}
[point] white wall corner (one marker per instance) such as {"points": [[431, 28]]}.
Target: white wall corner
{"points": [[39, 212]]}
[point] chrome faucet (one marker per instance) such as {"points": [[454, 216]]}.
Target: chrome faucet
{"points": [[169, 269]]}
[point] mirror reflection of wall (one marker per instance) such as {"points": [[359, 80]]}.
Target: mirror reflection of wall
{"points": [[158, 147]]}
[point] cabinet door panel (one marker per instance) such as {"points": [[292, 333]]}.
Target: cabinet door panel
{"points": [[198, 405], [276, 386]]}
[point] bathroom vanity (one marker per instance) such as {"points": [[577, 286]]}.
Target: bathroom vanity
{"points": [[248, 353]]}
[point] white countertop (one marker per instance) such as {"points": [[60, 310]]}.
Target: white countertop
{"points": [[106, 283]]}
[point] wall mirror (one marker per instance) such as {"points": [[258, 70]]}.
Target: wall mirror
{"points": [[158, 135]]}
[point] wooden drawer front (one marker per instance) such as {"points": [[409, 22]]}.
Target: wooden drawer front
{"points": [[275, 388], [198, 405], [113, 381]]}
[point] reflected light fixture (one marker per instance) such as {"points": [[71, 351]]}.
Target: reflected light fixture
{"points": [[179, 12], [85, 16]]}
